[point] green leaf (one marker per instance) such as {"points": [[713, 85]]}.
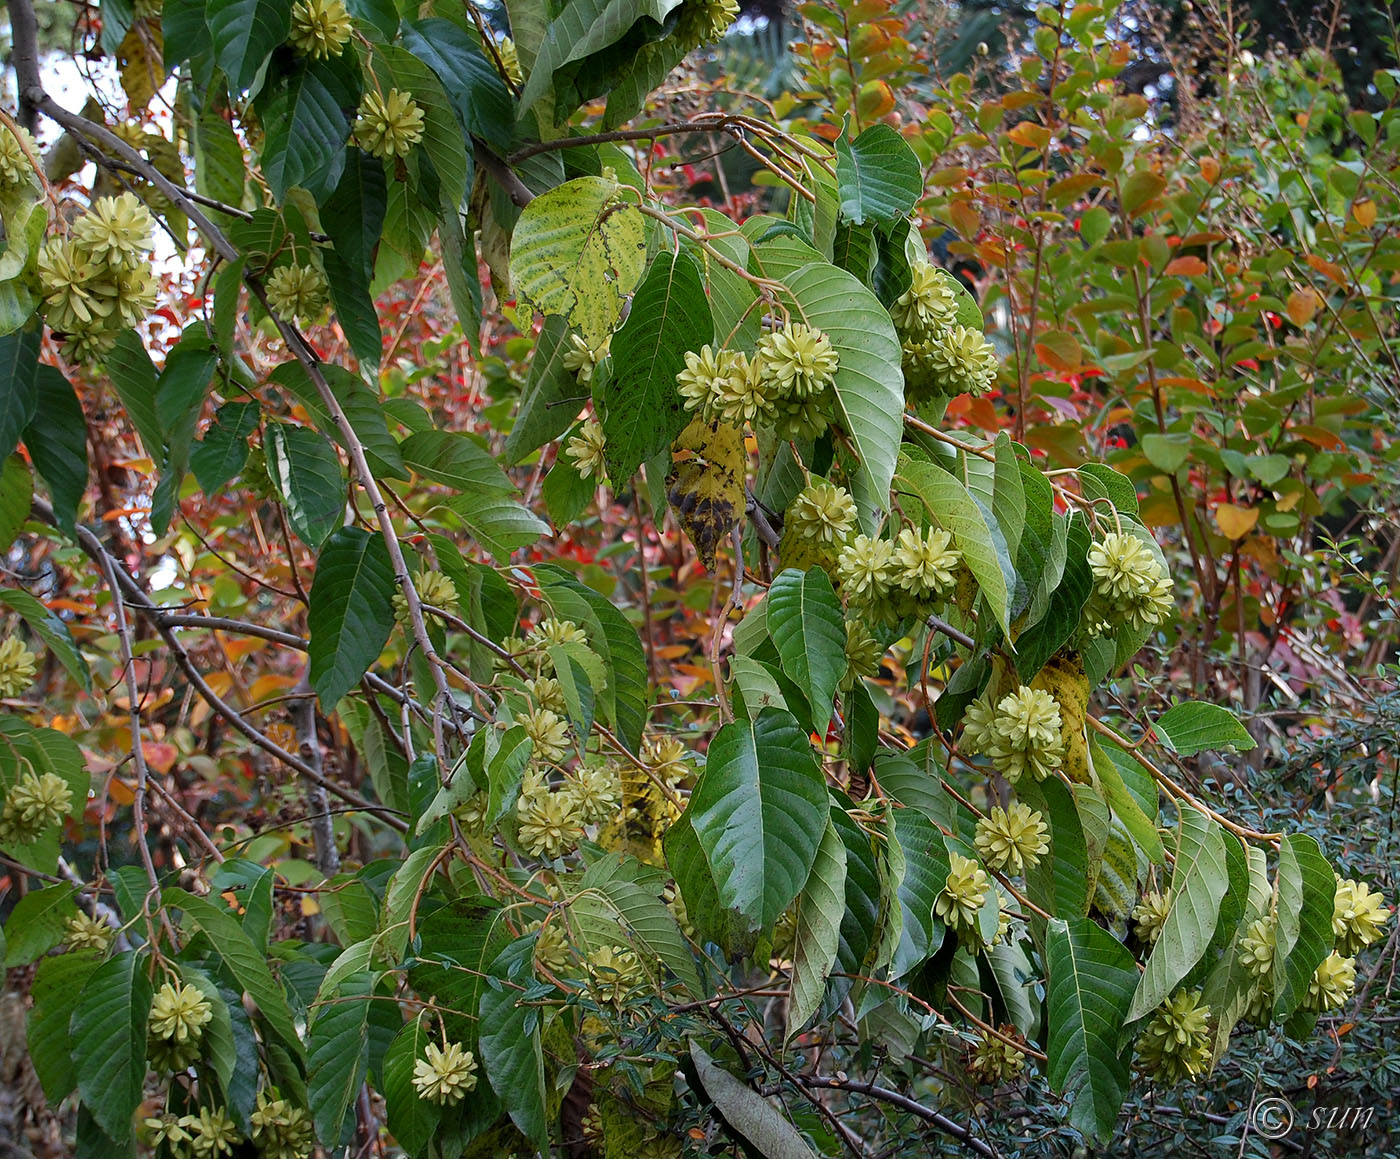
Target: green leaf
{"points": [[479, 96], [351, 611], [456, 461], [244, 33], [403, 891], [1167, 452], [504, 770], [877, 175], [639, 404], [544, 412], [1307, 890], [869, 379], [820, 908], [578, 251], [25, 748], [223, 451], [1100, 481], [16, 498], [109, 1041], [219, 166], [353, 215], [1062, 611], [807, 627], [217, 1046], [1199, 881], [1192, 726], [35, 925], [19, 367], [413, 1120], [57, 988], [510, 1043], [466, 935], [759, 812], [747, 1112], [338, 1055], [618, 877], [305, 470], [952, 508], [440, 161], [923, 859], [56, 439], [1059, 882], [1124, 804], [242, 958], [1089, 984], [134, 375], [49, 628], [362, 409]]}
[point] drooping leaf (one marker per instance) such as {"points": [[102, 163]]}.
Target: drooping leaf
{"points": [[56, 439], [19, 367], [108, 1041], [412, 1118], [305, 470], [57, 988], [244, 33], [807, 627], [878, 175], [35, 925], [479, 96], [338, 1055], [351, 611], [619, 877], [1306, 898], [510, 1043], [757, 1121], [820, 907], [922, 859], [223, 451], [706, 484], [16, 497], [49, 628]]}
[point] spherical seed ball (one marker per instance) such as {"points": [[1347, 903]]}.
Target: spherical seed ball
{"points": [[390, 125], [79, 292], [1332, 983], [18, 666], [797, 360], [865, 567], [928, 307], [548, 822], [81, 932], [863, 655], [587, 448], [116, 231], [1257, 947], [434, 589], [32, 804], [583, 361], [822, 512], [1357, 915], [961, 361], [1150, 915], [320, 28], [1130, 584], [926, 561], [16, 168], [444, 1074], [995, 1060], [179, 1013], [964, 892], [703, 21], [510, 60], [1026, 735], [297, 292], [1175, 1044], [1012, 839]]}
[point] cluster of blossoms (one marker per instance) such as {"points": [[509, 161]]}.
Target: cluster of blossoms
{"points": [[510, 60], [911, 576], [1131, 586], [581, 360], [941, 357], [614, 972], [787, 386], [81, 932], [207, 1135], [1175, 1044], [280, 1128], [1022, 735], [445, 1074], [33, 803], [388, 125], [551, 818], [1357, 915], [434, 589], [704, 21], [97, 280], [1012, 839], [16, 168], [1150, 915], [587, 447], [320, 28], [962, 897], [18, 666], [298, 293], [994, 1059], [175, 1026]]}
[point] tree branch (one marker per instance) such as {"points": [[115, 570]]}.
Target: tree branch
{"points": [[903, 1102]]}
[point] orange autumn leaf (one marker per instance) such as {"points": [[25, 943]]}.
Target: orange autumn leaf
{"points": [[1186, 267]]}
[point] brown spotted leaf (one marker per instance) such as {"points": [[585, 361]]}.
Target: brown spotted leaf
{"points": [[706, 486]]}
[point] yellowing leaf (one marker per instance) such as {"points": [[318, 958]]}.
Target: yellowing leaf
{"points": [[1303, 306], [140, 54], [1063, 678], [1236, 522], [707, 484], [1364, 212]]}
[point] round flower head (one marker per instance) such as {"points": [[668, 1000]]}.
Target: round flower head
{"points": [[822, 512], [1027, 735], [445, 1074], [1130, 584], [549, 632], [963, 895], [78, 291], [116, 231], [545, 692], [722, 387], [587, 447], [865, 568], [88, 346], [926, 561], [136, 294], [665, 757], [863, 654], [1150, 914], [179, 1013], [704, 21], [613, 973], [928, 307], [510, 60], [994, 1060], [212, 1133], [1257, 947], [797, 360], [33, 804], [434, 589], [16, 168], [297, 292], [961, 361], [320, 28], [548, 823], [81, 932], [17, 666], [1259, 1008], [1175, 1044], [597, 792], [548, 733], [582, 361], [1332, 983], [979, 717], [552, 951], [281, 1130], [167, 1128], [1357, 916], [389, 125], [1012, 839]]}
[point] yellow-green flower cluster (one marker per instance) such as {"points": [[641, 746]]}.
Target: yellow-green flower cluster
{"points": [[722, 386], [1012, 839], [1150, 915], [445, 1074], [587, 447], [1131, 587], [1332, 983], [211, 1133], [280, 1128], [550, 631], [941, 357], [863, 655], [81, 932], [175, 1026], [33, 803], [962, 897], [18, 666], [823, 513], [1357, 916], [320, 28], [510, 60], [390, 125], [1022, 736], [97, 281], [1258, 946], [1175, 1044], [16, 168], [434, 589], [583, 361], [548, 733], [704, 21], [550, 822], [298, 293], [613, 973], [926, 562], [994, 1060]]}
